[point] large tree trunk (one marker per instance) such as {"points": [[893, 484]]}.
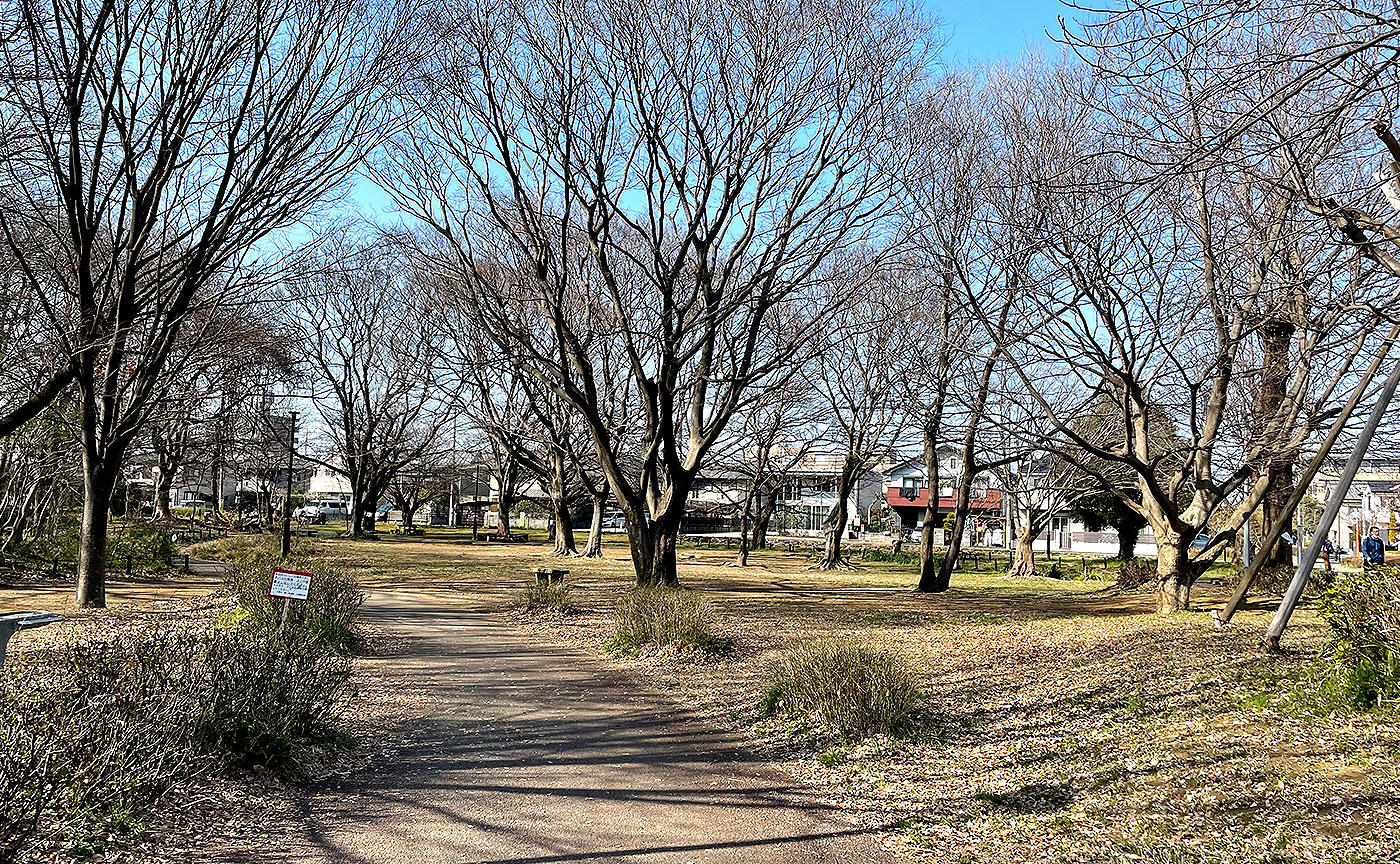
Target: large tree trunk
{"points": [[1175, 573], [505, 503], [594, 549], [559, 503], [1277, 339], [653, 550], [99, 481], [358, 499], [165, 480], [960, 508], [564, 544]]}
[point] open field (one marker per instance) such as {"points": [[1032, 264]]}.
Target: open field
{"points": [[1066, 721]]}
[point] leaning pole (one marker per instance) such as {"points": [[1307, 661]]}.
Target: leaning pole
{"points": [[1308, 558]]}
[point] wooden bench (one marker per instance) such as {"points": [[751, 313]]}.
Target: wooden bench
{"points": [[406, 531], [509, 538], [550, 575], [13, 622]]}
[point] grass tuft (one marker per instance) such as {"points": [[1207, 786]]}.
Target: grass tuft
{"points": [[664, 618], [551, 599], [851, 687]]}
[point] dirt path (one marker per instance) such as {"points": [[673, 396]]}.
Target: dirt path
{"points": [[531, 753]]}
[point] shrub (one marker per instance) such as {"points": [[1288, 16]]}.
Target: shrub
{"points": [[271, 702], [1134, 574], [149, 548], [93, 728], [326, 615], [547, 598], [100, 727], [1361, 665], [664, 617], [890, 556], [852, 688]]}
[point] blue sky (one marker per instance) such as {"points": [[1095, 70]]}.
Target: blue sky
{"points": [[995, 29]]}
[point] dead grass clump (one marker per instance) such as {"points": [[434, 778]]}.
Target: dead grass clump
{"points": [[847, 685], [553, 599], [663, 617]]}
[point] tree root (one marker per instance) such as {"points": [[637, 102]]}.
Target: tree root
{"points": [[838, 564]]}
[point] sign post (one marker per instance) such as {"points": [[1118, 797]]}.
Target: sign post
{"points": [[288, 585]]}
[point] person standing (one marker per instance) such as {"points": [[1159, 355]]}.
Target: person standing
{"points": [[1373, 549]]}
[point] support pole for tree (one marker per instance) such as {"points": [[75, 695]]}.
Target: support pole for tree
{"points": [[1300, 489], [1308, 558]]}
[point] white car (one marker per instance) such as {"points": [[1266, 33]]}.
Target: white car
{"points": [[323, 511]]}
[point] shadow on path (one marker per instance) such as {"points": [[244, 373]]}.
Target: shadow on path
{"points": [[531, 753]]}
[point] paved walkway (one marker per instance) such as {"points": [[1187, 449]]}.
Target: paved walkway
{"points": [[535, 754]]}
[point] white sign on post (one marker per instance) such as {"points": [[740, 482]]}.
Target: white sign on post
{"points": [[290, 584]]}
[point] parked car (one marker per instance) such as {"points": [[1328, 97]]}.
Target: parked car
{"points": [[1201, 541], [322, 511]]}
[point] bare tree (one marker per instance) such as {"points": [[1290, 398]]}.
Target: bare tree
{"points": [[662, 182], [861, 364], [1184, 258], [374, 356], [776, 435], [158, 144]]}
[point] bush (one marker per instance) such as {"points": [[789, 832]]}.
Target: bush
{"points": [[1361, 665], [664, 617], [101, 727], [846, 685], [328, 613], [271, 702], [1134, 574], [149, 548], [890, 556], [547, 598]]}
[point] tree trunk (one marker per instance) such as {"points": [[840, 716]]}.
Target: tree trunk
{"points": [[765, 516], [164, 481], [594, 549], [98, 484], [564, 544], [653, 550], [505, 503], [23, 512], [835, 529], [356, 516], [1277, 338], [745, 518], [930, 566], [1175, 574], [835, 522], [960, 507], [1127, 544], [1023, 565]]}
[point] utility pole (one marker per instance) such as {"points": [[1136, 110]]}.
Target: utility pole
{"points": [[287, 502]]}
